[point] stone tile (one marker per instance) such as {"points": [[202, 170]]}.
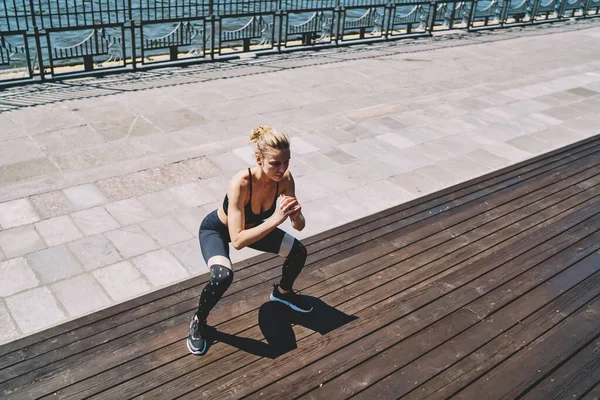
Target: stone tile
{"points": [[200, 167], [85, 196], [416, 183], [122, 128], [160, 267], [390, 193], [175, 119], [10, 130], [563, 113], [16, 213], [8, 330], [193, 194], [58, 230], [320, 215], [338, 135], [557, 136], [438, 174], [68, 140], [507, 151], [308, 189], [161, 203], [97, 112], [227, 162], [129, 212], [333, 181], [53, 264], [35, 309], [530, 144], [300, 146], [131, 241], [189, 255], [17, 150], [419, 134], [46, 119], [94, 252], [487, 158], [166, 231], [21, 240], [463, 167], [122, 281], [80, 295], [52, 204], [339, 156], [583, 92], [2, 256], [95, 220], [319, 140], [16, 276], [369, 200], [396, 140], [191, 218], [245, 154], [93, 157], [25, 170]]}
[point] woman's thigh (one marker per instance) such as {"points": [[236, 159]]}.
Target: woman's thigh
{"points": [[215, 248], [277, 241]]}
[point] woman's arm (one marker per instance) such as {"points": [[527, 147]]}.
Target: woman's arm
{"points": [[241, 237], [297, 219]]}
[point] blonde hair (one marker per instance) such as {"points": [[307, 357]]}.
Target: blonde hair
{"points": [[265, 139]]}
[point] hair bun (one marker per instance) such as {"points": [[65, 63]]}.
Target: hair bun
{"points": [[259, 131]]}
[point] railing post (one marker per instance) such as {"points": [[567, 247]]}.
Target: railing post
{"points": [[212, 35], [38, 42], [433, 5], [132, 34], [280, 13], [338, 20], [390, 7]]}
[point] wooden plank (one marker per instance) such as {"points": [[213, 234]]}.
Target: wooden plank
{"points": [[117, 334], [147, 362], [389, 309], [435, 375], [515, 375], [153, 379], [477, 363], [462, 329], [81, 327], [573, 379], [593, 394], [183, 366]]}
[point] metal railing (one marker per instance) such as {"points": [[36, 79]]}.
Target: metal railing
{"points": [[48, 39]]}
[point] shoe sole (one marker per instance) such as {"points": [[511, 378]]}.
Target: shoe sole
{"points": [[197, 353], [290, 305]]}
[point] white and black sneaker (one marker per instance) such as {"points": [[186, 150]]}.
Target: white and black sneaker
{"points": [[196, 343], [291, 299]]}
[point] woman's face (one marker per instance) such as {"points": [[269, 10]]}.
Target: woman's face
{"points": [[275, 163]]}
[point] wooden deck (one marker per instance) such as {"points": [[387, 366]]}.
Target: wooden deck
{"points": [[486, 290]]}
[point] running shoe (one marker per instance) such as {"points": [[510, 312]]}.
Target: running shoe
{"points": [[291, 299], [196, 343]]}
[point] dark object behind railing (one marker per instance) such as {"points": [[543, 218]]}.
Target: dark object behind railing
{"points": [[46, 39]]}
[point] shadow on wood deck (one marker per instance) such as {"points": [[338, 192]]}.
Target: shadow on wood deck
{"points": [[486, 290]]}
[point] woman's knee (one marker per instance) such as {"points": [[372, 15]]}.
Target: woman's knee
{"points": [[298, 253], [221, 277]]}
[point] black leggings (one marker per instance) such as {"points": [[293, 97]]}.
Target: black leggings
{"points": [[214, 243]]}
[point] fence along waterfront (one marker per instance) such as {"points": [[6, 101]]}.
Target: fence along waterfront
{"points": [[46, 39]]}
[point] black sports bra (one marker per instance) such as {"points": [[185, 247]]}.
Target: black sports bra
{"points": [[250, 217]]}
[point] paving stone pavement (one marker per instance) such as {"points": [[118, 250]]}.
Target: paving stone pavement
{"points": [[101, 196]]}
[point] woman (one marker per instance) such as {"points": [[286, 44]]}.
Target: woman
{"points": [[250, 216]]}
